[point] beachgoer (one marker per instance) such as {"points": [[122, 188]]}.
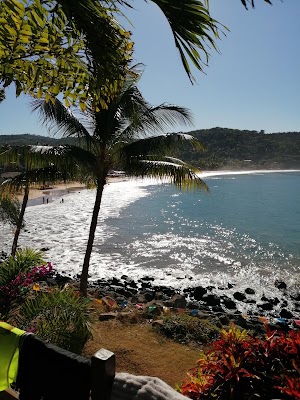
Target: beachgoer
{"points": [[43, 200], [62, 200], [47, 200]]}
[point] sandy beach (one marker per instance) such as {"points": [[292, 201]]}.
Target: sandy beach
{"points": [[60, 189]]}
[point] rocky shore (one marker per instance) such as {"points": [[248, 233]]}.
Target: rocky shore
{"points": [[126, 293]]}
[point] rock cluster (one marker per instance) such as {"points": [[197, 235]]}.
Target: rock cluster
{"points": [[197, 301]]}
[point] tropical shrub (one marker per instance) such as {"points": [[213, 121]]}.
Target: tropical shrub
{"points": [[240, 366], [186, 328], [16, 276], [58, 316]]}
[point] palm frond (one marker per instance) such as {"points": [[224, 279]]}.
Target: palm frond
{"points": [[194, 30], [60, 120], [252, 3], [9, 209], [159, 145], [59, 317], [156, 119], [67, 158], [179, 174], [33, 176]]}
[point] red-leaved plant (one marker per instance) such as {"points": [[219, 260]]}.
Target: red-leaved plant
{"points": [[239, 366]]}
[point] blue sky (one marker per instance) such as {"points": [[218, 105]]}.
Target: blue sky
{"points": [[252, 84]]}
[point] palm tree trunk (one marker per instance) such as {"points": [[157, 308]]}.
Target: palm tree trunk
{"points": [[89, 247], [20, 220]]}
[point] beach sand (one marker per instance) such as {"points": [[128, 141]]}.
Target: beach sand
{"points": [[58, 190]]}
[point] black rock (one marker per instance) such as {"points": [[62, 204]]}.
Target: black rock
{"points": [[280, 284], [265, 306], [249, 291], [239, 296], [211, 299], [149, 295], [284, 313], [147, 278], [198, 292], [228, 303]]}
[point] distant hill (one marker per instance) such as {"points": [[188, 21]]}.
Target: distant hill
{"points": [[225, 148], [236, 149], [28, 139]]}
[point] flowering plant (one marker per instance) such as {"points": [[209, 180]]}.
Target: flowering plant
{"points": [[14, 291]]}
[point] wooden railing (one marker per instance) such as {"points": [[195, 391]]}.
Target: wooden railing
{"points": [[102, 376]]}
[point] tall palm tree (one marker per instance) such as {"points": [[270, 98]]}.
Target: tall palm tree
{"points": [[122, 134]]}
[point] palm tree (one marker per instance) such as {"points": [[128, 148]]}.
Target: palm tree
{"points": [[116, 136], [33, 171]]}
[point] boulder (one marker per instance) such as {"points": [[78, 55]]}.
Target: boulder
{"points": [[280, 284], [284, 313], [198, 292], [211, 299], [239, 296]]}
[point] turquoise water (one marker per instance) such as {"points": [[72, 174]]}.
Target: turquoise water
{"points": [[246, 218], [246, 231]]}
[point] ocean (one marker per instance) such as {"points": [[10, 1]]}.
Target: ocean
{"points": [[246, 232]]}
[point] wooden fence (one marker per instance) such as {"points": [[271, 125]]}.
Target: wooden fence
{"points": [[102, 376]]}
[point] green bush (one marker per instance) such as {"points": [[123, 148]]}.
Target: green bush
{"points": [[58, 316], [24, 261], [186, 328]]}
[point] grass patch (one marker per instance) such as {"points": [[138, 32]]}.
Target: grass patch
{"points": [[185, 329]]}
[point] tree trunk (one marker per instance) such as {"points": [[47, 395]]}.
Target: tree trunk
{"points": [[89, 247], [20, 220]]}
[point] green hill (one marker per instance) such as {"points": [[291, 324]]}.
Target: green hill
{"points": [[225, 148], [236, 149]]}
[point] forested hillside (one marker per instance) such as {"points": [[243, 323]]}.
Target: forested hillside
{"points": [[236, 149], [225, 148]]}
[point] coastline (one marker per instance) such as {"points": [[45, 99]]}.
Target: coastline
{"points": [[60, 189]]}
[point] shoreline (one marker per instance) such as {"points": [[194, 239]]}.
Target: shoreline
{"points": [[65, 188], [58, 190]]}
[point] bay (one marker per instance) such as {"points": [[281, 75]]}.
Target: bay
{"points": [[246, 232]]}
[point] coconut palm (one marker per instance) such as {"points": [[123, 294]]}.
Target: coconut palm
{"points": [[122, 135]]}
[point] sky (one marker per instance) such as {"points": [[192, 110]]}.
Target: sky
{"points": [[253, 83]]}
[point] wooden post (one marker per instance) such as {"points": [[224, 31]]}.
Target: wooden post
{"points": [[103, 373]]}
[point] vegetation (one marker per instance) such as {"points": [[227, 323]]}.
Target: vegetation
{"points": [[240, 366], [16, 273], [186, 329], [44, 46], [236, 149], [58, 316], [224, 148]]}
